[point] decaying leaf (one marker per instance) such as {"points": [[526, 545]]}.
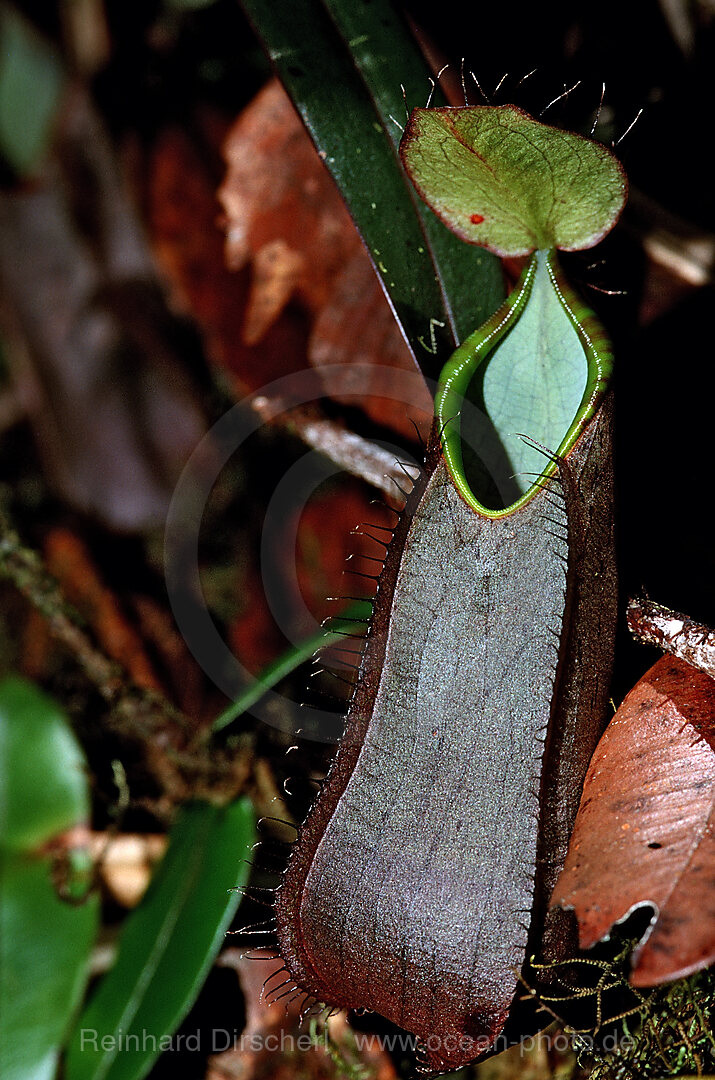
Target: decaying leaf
{"points": [[187, 241], [68, 559], [285, 217], [645, 830]]}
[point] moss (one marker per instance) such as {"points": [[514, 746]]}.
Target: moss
{"points": [[621, 1032]]}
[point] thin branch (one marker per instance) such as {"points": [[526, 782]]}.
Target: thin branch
{"points": [[171, 743], [25, 569], [358, 456], [673, 632]]}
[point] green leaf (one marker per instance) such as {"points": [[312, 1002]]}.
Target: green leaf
{"points": [[290, 660], [44, 941], [394, 71], [538, 368], [44, 792], [31, 82], [167, 945], [343, 74], [511, 184]]}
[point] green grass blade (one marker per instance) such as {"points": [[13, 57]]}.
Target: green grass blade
{"points": [[167, 945], [290, 660], [396, 76], [346, 110]]}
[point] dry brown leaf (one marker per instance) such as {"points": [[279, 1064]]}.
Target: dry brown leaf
{"points": [[285, 218], [126, 862], [645, 830], [182, 217], [68, 560], [277, 272], [276, 189]]}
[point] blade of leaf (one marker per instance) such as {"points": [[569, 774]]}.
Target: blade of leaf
{"points": [[167, 946], [44, 941], [502, 179], [289, 661], [644, 829], [31, 84], [339, 109]]}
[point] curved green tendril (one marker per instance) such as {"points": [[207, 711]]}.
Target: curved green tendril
{"points": [[460, 369]]}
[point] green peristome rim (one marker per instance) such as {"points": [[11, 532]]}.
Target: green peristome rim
{"points": [[481, 345]]}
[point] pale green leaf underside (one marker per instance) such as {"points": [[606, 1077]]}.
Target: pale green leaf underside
{"points": [[535, 381], [533, 374], [501, 179]]}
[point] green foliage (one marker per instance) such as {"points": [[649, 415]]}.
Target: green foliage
{"points": [[671, 1036], [291, 659], [45, 940], [621, 1032], [31, 82], [167, 945], [503, 180]]}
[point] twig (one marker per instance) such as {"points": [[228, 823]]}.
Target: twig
{"points": [[351, 452], [24, 568], [674, 633], [182, 764]]}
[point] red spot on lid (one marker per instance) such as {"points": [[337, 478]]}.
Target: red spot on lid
{"points": [[476, 219]]}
